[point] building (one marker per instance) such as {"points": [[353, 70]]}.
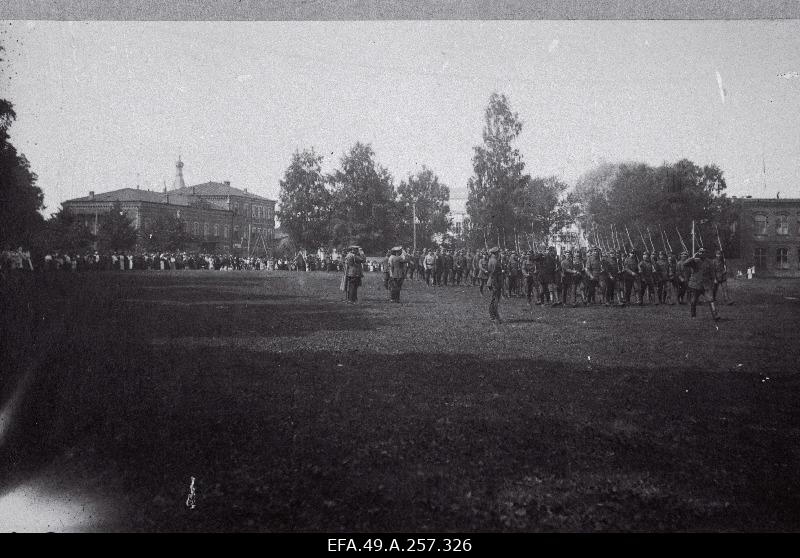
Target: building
{"points": [[217, 217], [767, 234]]}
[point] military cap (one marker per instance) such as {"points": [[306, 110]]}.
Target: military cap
{"points": [[494, 250]]}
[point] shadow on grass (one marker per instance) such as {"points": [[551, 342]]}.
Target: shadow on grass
{"points": [[327, 441], [357, 441]]}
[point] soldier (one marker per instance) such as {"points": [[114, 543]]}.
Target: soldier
{"points": [[529, 274], [721, 278], [702, 277], [594, 275], [458, 267], [684, 273], [608, 276], [568, 279], [661, 277], [354, 271], [672, 278], [483, 270], [646, 280], [385, 268], [447, 267], [397, 271], [476, 268], [430, 266], [468, 270], [551, 269], [438, 268], [630, 272], [579, 259], [495, 283]]}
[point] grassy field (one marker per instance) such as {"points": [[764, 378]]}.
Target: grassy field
{"points": [[296, 412]]}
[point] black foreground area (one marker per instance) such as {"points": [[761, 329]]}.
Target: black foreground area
{"points": [[295, 412]]}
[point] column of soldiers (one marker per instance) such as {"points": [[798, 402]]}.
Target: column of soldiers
{"points": [[616, 278]]}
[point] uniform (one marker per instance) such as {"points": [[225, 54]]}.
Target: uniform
{"points": [[353, 273], [495, 272]]}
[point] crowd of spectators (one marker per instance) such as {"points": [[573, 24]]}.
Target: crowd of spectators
{"points": [[21, 259]]}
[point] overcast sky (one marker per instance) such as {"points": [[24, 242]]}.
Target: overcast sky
{"points": [[103, 105]]}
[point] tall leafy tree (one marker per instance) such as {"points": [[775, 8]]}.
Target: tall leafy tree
{"points": [[665, 198], [424, 195], [64, 232], [498, 173], [364, 209], [20, 197], [166, 234], [116, 232], [305, 202]]}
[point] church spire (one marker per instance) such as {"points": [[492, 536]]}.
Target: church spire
{"points": [[179, 183]]}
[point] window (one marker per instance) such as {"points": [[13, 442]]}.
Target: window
{"points": [[761, 224], [225, 231], [760, 258], [205, 229], [782, 224], [254, 210], [236, 232], [185, 226], [196, 228], [782, 258], [216, 229]]}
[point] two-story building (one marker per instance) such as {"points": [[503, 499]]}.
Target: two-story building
{"points": [[218, 217], [768, 234]]}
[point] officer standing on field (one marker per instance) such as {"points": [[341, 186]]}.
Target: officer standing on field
{"points": [[397, 272], [496, 286]]}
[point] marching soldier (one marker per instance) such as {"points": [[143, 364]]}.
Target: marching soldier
{"points": [[684, 273], [646, 280], [594, 275], [702, 277], [721, 278], [630, 272], [551, 269], [430, 266], [568, 279]]}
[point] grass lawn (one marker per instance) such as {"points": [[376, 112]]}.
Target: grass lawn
{"points": [[296, 412]]}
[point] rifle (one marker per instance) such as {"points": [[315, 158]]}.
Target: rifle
{"points": [[664, 239], [629, 236], [644, 243], [651, 239], [681, 239]]}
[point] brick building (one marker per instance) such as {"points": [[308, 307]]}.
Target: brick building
{"points": [[217, 216], [768, 234]]}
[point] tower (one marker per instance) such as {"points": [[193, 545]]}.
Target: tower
{"points": [[179, 183]]}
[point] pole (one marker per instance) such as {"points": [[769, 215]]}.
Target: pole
{"points": [[693, 249], [415, 225]]}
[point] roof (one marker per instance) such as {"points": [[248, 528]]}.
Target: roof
{"points": [[217, 189], [768, 200], [137, 195], [133, 195]]}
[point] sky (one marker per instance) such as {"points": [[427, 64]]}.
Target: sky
{"points": [[107, 105]]}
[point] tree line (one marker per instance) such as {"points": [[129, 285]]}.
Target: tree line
{"points": [[359, 203]]}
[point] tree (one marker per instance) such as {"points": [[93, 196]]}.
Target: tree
{"points": [[541, 209], [305, 202], [116, 232], [166, 235], [431, 198], [20, 197], [64, 232], [364, 208], [498, 174], [665, 198]]}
